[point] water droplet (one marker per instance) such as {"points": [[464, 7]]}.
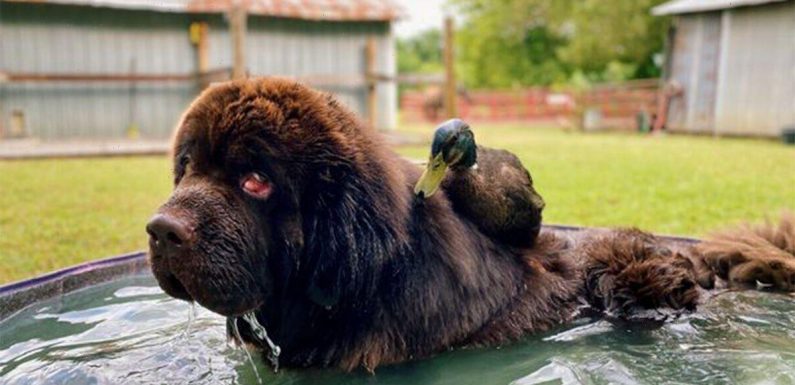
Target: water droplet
{"points": [[191, 318], [242, 344], [262, 334]]}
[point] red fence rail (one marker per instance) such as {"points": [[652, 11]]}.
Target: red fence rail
{"points": [[615, 105]]}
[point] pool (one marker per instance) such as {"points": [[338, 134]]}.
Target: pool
{"points": [[125, 330]]}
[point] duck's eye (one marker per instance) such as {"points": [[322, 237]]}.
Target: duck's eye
{"points": [[256, 185]]}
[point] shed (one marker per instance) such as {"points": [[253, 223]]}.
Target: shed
{"points": [[732, 66], [95, 69]]}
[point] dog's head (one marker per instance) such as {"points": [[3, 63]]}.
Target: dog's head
{"points": [[254, 162]]}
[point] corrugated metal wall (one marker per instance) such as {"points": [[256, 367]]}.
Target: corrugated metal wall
{"points": [[757, 77], [64, 39], [696, 49], [737, 71], [281, 47], [46, 38]]}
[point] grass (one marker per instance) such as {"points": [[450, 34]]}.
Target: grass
{"points": [[55, 213], [681, 185]]}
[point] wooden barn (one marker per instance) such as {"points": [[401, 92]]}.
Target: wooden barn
{"points": [[730, 66], [96, 69]]}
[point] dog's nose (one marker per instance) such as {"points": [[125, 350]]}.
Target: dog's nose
{"points": [[168, 234]]}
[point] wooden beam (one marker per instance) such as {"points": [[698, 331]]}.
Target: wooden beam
{"points": [[222, 74], [237, 29], [410, 79], [20, 77], [372, 82], [449, 69]]}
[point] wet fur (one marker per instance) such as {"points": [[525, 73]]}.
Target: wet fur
{"points": [[627, 270], [346, 268], [751, 255]]}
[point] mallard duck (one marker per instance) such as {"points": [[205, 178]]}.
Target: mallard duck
{"points": [[490, 187]]}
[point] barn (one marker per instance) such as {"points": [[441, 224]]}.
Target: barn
{"points": [[108, 69], [730, 66]]}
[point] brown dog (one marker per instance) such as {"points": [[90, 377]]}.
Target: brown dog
{"points": [[288, 207]]}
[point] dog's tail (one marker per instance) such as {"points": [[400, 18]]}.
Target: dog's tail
{"points": [[753, 256]]}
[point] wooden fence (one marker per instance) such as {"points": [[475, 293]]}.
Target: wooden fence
{"points": [[607, 105]]}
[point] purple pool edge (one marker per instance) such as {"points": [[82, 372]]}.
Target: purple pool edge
{"points": [[18, 295], [21, 294]]}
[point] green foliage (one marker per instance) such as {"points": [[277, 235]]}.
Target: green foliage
{"points": [[616, 31], [507, 43], [511, 60], [421, 53]]}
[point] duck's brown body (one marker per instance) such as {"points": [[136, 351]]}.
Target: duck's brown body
{"points": [[498, 195]]}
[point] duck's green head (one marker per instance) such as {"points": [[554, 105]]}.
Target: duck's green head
{"points": [[453, 146]]}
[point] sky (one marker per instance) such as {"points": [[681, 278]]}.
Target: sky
{"points": [[421, 15]]}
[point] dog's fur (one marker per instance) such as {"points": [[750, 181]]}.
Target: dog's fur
{"points": [[346, 268]]}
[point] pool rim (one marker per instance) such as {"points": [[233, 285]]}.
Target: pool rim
{"points": [[18, 295]]}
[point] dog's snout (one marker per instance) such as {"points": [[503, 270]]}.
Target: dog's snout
{"points": [[169, 234]]}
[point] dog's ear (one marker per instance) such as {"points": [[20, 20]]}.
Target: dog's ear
{"points": [[286, 261], [330, 179], [322, 269], [323, 292]]}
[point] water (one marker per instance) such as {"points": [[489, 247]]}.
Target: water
{"points": [[262, 334], [239, 339], [129, 332]]}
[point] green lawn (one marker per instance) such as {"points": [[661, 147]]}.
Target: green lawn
{"points": [[55, 213]]}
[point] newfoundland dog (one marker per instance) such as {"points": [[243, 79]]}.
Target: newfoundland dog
{"points": [[289, 216]]}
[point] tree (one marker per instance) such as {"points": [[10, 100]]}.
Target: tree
{"points": [[421, 53], [616, 31], [509, 43], [541, 42]]}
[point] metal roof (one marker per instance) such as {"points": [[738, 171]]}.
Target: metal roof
{"points": [[676, 7], [335, 10]]}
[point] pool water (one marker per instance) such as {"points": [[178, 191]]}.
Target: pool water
{"points": [[130, 332]]}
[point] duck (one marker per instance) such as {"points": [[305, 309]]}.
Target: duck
{"points": [[489, 187]]}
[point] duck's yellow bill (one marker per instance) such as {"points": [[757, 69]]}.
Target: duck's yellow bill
{"points": [[431, 178]]}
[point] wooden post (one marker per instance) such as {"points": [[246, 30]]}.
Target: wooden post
{"points": [[449, 69], [3, 79], [199, 38], [372, 82], [237, 28], [203, 54]]}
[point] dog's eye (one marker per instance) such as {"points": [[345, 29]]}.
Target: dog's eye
{"points": [[256, 185], [186, 164], [182, 168]]}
